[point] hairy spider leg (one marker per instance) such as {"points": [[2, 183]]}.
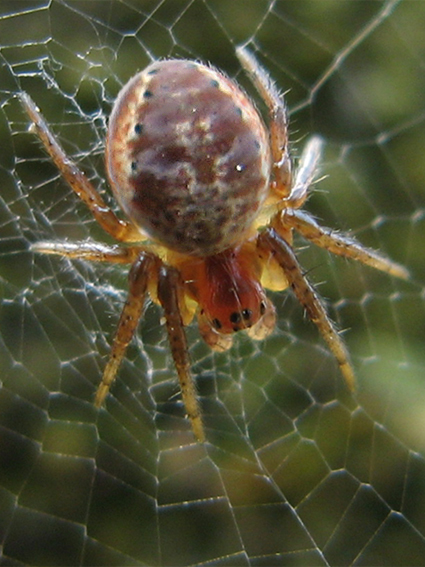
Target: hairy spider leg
{"points": [[138, 278], [118, 228], [89, 250], [282, 166], [270, 241], [140, 271], [144, 270], [306, 173], [340, 244], [170, 295]]}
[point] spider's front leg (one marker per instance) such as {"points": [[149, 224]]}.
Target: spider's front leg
{"points": [[139, 275], [170, 295], [270, 241]]}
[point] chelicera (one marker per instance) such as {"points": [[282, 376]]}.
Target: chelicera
{"points": [[211, 201]]}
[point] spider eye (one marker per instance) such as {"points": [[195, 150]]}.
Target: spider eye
{"points": [[238, 317], [235, 317], [216, 323], [262, 308], [246, 314]]}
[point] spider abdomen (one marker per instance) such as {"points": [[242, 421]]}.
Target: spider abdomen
{"points": [[188, 157]]}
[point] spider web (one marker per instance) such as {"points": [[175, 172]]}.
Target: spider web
{"points": [[294, 472]]}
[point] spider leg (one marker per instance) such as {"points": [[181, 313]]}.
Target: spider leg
{"points": [[119, 229], [306, 172], [90, 251], [309, 299], [340, 244], [169, 284], [131, 313], [282, 167]]}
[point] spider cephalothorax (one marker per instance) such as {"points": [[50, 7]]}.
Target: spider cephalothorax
{"points": [[212, 202]]}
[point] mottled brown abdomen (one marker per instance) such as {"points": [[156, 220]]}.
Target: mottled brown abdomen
{"points": [[188, 157]]}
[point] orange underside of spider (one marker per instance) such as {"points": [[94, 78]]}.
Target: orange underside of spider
{"points": [[211, 203]]}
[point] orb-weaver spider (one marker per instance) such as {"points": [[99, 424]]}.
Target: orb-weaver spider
{"points": [[212, 202]]}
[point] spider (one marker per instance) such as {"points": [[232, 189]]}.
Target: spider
{"points": [[211, 200]]}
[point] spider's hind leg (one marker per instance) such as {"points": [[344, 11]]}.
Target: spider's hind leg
{"points": [[270, 241], [282, 166], [120, 229]]}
